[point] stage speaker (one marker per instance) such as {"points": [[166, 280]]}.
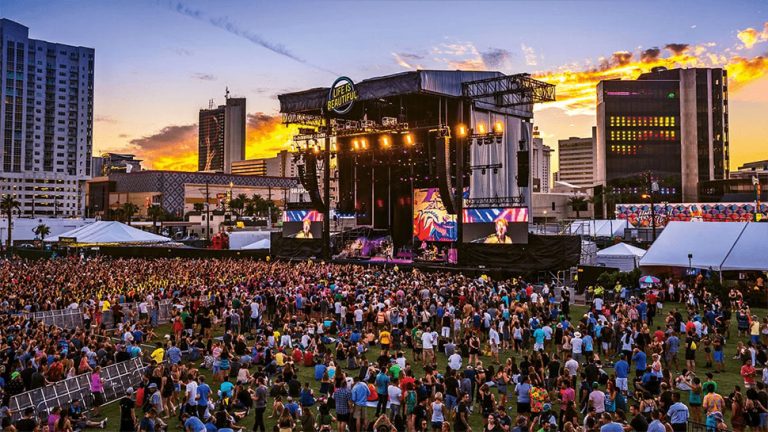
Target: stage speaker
{"points": [[308, 179], [523, 168], [444, 177]]}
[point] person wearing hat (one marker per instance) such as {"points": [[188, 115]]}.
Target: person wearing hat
{"points": [[547, 417], [577, 346]]}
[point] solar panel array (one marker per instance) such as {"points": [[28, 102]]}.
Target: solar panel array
{"points": [[117, 378]]}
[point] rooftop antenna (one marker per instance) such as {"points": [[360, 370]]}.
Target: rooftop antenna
{"points": [[210, 104], [226, 93]]}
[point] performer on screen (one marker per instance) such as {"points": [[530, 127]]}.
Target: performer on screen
{"points": [[306, 230], [500, 236]]}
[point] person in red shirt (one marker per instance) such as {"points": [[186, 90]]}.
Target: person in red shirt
{"points": [[748, 373], [658, 335], [309, 358]]}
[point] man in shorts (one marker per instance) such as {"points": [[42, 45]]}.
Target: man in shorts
{"points": [[360, 395]]}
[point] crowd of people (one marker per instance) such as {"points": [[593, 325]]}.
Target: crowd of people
{"points": [[308, 346]]}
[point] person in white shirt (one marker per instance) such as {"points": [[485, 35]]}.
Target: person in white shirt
{"points": [[394, 394], [454, 362], [494, 340], [428, 339], [572, 366], [576, 345], [598, 304]]}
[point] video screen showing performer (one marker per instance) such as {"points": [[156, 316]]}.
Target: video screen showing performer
{"points": [[496, 226], [303, 224]]}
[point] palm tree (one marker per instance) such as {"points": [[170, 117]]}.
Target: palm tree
{"points": [[7, 204], [198, 207], [156, 212], [578, 204], [42, 231], [129, 209]]}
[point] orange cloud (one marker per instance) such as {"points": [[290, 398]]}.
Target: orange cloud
{"points": [[175, 148], [750, 36], [576, 88]]}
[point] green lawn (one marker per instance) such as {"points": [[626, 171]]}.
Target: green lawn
{"points": [[726, 381]]}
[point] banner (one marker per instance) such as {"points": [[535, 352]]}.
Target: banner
{"points": [[639, 215]]}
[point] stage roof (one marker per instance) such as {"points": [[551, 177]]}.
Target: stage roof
{"points": [[429, 82]]}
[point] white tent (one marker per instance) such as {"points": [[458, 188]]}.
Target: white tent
{"points": [[259, 244], [104, 232], [716, 245], [599, 227], [622, 256], [749, 252], [243, 239]]}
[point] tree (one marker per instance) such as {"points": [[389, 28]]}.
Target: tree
{"points": [[42, 231], [198, 207], [129, 209], [156, 212], [236, 205], [7, 204], [578, 204]]}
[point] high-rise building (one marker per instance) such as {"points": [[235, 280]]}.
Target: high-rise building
{"points": [[108, 163], [253, 167], [47, 122], [221, 136], [576, 160], [540, 161], [671, 123]]}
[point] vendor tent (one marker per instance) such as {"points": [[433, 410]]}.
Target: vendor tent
{"points": [[749, 252], [719, 246], [622, 256], [599, 228], [107, 233], [262, 244]]}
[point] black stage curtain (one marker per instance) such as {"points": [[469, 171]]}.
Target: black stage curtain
{"points": [[542, 253]]}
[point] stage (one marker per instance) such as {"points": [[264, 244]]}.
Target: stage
{"points": [[434, 167]]}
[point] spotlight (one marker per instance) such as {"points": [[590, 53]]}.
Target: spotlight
{"points": [[363, 143], [356, 145], [408, 139], [481, 128], [498, 127], [316, 149], [334, 147], [384, 141], [461, 130]]}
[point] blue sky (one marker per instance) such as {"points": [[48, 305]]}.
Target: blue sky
{"points": [[158, 62]]}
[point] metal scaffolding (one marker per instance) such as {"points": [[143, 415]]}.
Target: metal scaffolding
{"points": [[510, 90]]}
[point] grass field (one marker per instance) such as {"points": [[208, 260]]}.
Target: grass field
{"points": [[726, 380]]}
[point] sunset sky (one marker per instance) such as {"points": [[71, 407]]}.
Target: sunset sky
{"points": [[159, 62]]}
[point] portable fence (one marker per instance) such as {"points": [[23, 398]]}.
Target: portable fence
{"points": [[62, 318], [117, 378]]}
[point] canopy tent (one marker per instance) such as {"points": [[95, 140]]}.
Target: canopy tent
{"points": [[259, 244], [244, 239], [599, 227], [749, 252], [104, 233], [622, 256], [720, 246]]}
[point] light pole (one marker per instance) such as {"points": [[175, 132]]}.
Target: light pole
{"points": [[207, 212], [545, 221]]}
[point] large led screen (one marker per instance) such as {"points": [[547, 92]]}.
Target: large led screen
{"points": [[302, 224], [495, 225], [431, 221]]}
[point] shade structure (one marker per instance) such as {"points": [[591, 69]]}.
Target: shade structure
{"points": [[720, 246], [262, 244], [105, 233], [749, 252], [649, 280], [623, 256], [599, 227]]}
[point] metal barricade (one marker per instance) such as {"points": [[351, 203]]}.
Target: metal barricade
{"points": [[62, 318], [117, 378]]}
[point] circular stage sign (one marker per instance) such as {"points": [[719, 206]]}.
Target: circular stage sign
{"points": [[341, 96]]}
